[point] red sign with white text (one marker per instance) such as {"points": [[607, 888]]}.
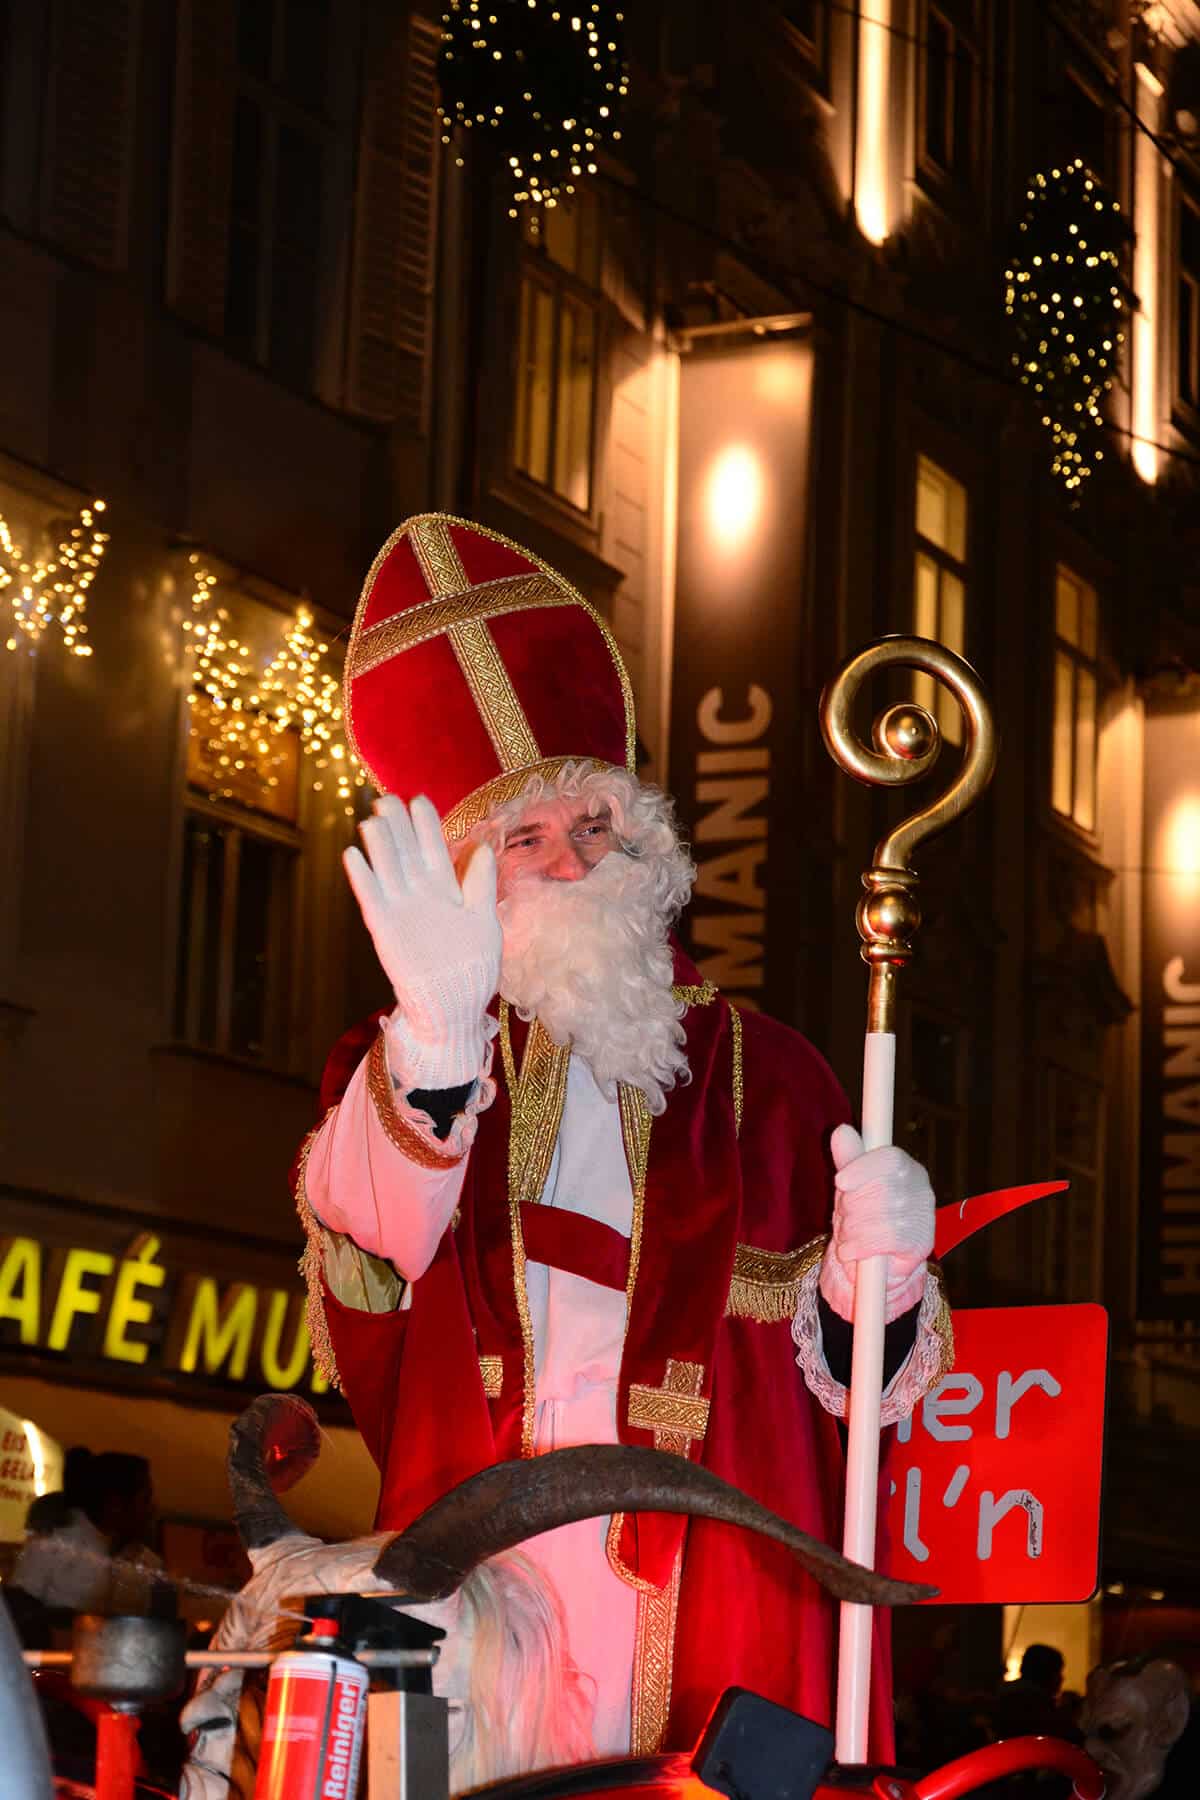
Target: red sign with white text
{"points": [[995, 1477]]}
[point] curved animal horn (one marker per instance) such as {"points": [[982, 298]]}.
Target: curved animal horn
{"points": [[502, 1506], [271, 1444]]}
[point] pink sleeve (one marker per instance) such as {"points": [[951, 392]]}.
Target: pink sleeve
{"points": [[360, 1183]]}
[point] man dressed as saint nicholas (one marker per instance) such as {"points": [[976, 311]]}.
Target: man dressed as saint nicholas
{"points": [[562, 1192]]}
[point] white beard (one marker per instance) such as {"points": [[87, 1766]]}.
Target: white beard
{"points": [[590, 960]]}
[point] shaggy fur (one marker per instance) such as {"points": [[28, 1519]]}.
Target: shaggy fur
{"points": [[506, 1637]]}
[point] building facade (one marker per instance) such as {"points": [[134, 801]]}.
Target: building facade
{"points": [[751, 391]]}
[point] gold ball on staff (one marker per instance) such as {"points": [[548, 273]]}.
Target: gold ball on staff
{"points": [[888, 914], [906, 731]]}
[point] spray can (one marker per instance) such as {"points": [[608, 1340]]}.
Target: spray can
{"points": [[315, 1720]]}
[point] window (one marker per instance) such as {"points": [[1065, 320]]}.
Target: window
{"points": [[1073, 773], [238, 903], [1187, 304], [940, 583], [281, 139], [938, 1113], [808, 20], [1068, 1222], [949, 89], [557, 354], [1077, 125]]}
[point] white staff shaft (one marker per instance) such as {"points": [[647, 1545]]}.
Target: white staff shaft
{"points": [[862, 1450]]}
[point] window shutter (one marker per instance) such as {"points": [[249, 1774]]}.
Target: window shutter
{"points": [[391, 302], [89, 129], [201, 163]]}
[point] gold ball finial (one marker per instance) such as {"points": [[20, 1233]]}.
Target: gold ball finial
{"points": [[907, 732]]}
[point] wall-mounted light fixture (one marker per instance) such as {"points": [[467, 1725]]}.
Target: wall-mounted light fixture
{"points": [[871, 175]]}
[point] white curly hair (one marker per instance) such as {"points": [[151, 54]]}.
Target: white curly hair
{"points": [[591, 959], [643, 818]]}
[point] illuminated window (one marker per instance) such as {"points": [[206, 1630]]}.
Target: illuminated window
{"points": [[282, 140], [949, 88], [940, 583], [1187, 361], [1073, 773], [557, 350]]}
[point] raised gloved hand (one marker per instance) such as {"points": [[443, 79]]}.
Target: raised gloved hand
{"points": [[883, 1206], [439, 943]]}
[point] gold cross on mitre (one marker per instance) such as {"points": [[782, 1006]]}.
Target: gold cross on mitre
{"points": [[676, 1412]]}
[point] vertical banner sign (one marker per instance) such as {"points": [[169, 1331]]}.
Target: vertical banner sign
{"points": [[744, 432], [1169, 1204]]}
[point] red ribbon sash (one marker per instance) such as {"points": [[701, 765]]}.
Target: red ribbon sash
{"points": [[576, 1244]]}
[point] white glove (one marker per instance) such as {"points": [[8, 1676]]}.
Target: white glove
{"points": [[882, 1206], [439, 943]]}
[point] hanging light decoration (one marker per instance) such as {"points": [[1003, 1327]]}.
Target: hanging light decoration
{"points": [[240, 717], [544, 78], [50, 589], [1066, 296]]}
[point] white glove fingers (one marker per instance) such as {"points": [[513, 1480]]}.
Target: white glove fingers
{"points": [[431, 843], [479, 881], [364, 885], [391, 828], [386, 865]]}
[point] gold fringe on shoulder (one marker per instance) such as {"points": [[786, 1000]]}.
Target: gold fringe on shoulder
{"points": [[691, 995], [766, 1283]]}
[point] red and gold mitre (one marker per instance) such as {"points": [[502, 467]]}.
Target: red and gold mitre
{"points": [[473, 666]]}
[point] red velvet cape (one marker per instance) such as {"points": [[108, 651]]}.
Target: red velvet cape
{"points": [[747, 1614]]}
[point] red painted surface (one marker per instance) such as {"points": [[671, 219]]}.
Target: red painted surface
{"points": [[993, 1762], [117, 1757], [995, 1479], [954, 1223]]}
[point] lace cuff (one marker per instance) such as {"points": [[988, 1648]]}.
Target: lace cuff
{"points": [[931, 1357]]}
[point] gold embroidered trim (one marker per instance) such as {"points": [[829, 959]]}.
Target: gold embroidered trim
{"points": [[766, 1283], [636, 1121], [415, 527], [536, 1099], [676, 1412], [439, 562], [739, 1092], [398, 1131], [311, 1266], [452, 611], [653, 1664], [612, 1550], [491, 1369], [691, 995], [494, 695], [472, 811]]}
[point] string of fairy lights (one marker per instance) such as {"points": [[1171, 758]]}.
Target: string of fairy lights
{"points": [[1065, 295], [46, 590], [240, 716]]}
